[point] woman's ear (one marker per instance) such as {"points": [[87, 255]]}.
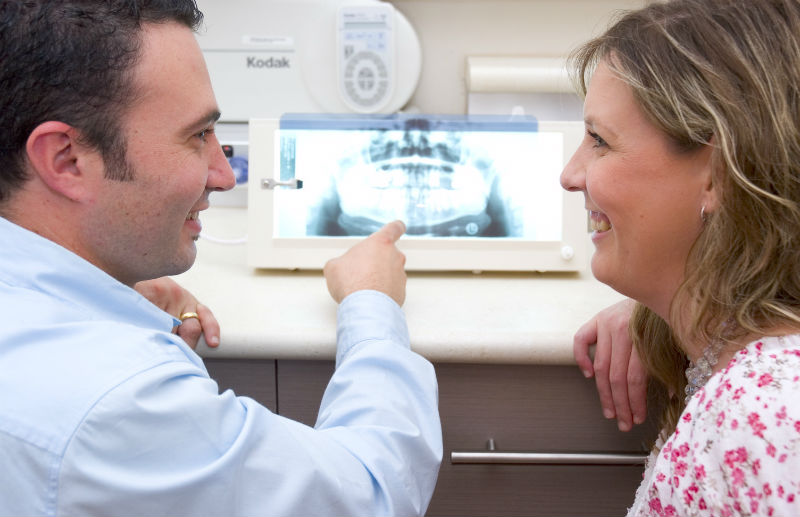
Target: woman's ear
{"points": [[57, 158], [711, 179]]}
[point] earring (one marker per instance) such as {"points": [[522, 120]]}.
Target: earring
{"points": [[703, 213]]}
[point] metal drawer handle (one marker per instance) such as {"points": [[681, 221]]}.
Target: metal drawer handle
{"points": [[272, 183], [491, 455]]}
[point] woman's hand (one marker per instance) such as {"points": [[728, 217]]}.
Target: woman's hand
{"points": [[166, 294], [619, 374]]}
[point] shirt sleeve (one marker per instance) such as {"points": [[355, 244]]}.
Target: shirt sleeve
{"points": [[164, 442]]}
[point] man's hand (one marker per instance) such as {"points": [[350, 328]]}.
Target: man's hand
{"points": [[619, 374], [166, 294], [374, 263]]}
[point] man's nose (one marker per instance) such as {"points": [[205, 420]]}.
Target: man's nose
{"points": [[220, 173]]}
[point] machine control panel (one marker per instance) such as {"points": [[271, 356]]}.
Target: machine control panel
{"points": [[366, 50]]}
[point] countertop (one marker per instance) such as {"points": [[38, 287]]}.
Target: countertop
{"points": [[452, 317]]}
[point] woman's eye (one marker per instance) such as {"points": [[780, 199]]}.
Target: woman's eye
{"points": [[598, 140]]}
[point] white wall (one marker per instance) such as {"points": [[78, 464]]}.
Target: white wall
{"points": [[451, 30]]}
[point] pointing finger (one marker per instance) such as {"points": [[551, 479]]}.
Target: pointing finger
{"points": [[392, 231]]}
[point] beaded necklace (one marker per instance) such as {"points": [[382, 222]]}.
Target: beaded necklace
{"points": [[697, 374]]}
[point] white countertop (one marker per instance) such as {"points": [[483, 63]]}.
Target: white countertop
{"points": [[452, 317]]}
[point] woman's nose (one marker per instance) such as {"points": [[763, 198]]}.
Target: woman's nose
{"points": [[573, 177]]}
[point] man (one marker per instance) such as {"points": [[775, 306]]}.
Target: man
{"points": [[107, 158]]}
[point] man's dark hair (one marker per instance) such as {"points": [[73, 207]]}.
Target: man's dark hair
{"points": [[72, 61]]}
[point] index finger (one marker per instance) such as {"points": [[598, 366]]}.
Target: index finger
{"points": [[210, 325], [637, 388], [583, 339], [392, 231]]}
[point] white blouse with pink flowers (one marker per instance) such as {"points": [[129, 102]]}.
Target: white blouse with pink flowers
{"points": [[736, 449]]}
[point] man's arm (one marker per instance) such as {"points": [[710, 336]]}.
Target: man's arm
{"points": [[373, 347], [165, 442]]}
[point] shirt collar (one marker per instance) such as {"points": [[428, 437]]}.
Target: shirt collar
{"points": [[30, 261]]}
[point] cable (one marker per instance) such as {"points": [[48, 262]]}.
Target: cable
{"points": [[241, 240]]}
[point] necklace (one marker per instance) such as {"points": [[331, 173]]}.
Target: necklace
{"points": [[697, 374]]}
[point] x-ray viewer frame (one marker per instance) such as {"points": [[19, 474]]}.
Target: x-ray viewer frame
{"points": [[568, 251]]}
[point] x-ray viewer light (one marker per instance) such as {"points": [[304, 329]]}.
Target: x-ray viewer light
{"points": [[475, 192]]}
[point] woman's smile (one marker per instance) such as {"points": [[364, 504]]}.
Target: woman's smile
{"points": [[598, 222]]}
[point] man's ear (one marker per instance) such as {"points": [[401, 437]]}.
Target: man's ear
{"points": [[59, 160]]}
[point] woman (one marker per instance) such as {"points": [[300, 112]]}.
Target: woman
{"points": [[691, 173]]}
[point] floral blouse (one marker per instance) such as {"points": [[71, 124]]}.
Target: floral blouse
{"points": [[736, 449]]}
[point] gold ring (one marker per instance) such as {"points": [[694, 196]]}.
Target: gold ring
{"points": [[187, 315]]}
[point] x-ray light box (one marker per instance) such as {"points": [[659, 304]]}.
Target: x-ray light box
{"points": [[475, 192]]}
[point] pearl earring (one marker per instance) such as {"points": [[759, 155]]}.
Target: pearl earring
{"points": [[703, 213]]}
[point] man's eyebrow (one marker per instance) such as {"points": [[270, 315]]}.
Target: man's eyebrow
{"points": [[203, 121]]}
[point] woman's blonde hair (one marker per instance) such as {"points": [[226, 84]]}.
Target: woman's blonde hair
{"points": [[725, 74]]}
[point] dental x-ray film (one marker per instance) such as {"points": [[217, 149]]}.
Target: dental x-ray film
{"points": [[445, 177], [477, 193]]}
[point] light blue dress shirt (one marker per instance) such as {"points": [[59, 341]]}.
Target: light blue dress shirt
{"points": [[103, 411]]}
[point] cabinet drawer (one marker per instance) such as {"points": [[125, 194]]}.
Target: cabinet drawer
{"points": [[529, 407], [549, 414], [522, 408], [301, 385], [254, 378], [533, 490]]}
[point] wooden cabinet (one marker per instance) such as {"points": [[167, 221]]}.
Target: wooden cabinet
{"points": [[538, 411], [522, 409], [254, 378]]}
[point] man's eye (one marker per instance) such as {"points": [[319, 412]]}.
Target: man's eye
{"points": [[203, 135]]}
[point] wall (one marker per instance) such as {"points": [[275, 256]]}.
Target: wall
{"points": [[451, 30]]}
